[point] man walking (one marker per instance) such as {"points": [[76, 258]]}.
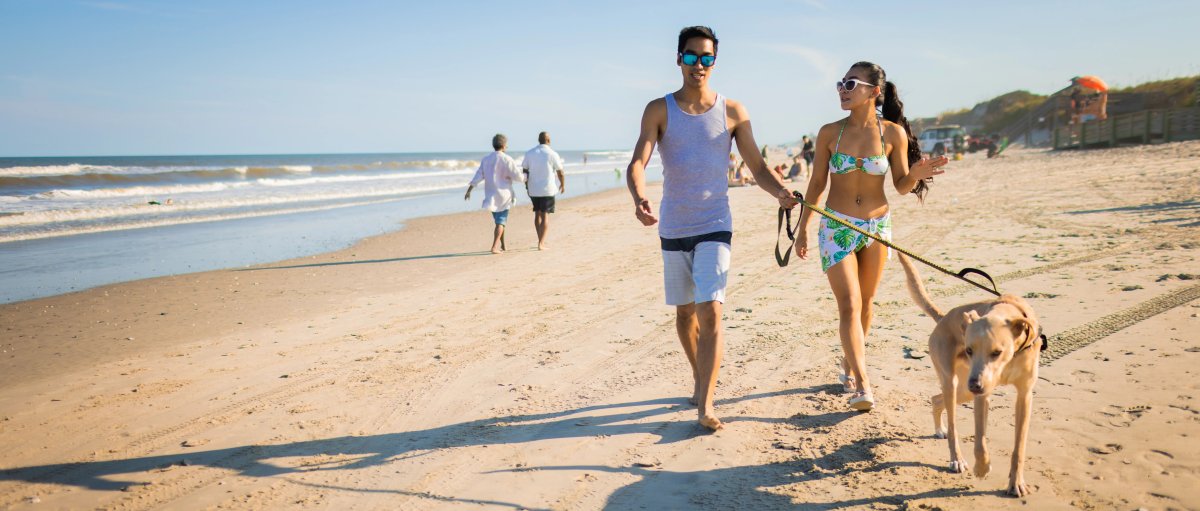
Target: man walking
{"points": [[694, 128], [541, 165], [497, 171]]}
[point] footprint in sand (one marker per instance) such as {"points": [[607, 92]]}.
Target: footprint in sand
{"points": [[1158, 460], [1105, 449], [1157, 454], [1127, 415]]}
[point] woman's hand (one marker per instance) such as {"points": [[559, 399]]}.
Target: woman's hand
{"points": [[927, 168], [802, 243]]}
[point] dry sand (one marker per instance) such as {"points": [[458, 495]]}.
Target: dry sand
{"points": [[412, 371]]}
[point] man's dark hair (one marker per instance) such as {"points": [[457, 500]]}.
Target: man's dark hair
{"points": [[499, 141], [543, 138], [697, 31]]}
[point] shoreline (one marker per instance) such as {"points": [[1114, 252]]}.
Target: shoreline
{"points": [[87, 260], [413, 370], [421, 231]]}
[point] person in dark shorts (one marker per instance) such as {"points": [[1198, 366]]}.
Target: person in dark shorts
{"points": [[541, 165], [696, 230]]}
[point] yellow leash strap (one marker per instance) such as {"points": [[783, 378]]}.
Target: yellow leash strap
{"points": [[785, 224], [785, 221]]}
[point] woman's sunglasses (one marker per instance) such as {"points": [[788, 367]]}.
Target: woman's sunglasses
{"points": [[850, 83], [689, 59]]}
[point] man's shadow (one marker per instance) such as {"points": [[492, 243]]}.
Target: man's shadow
{"points": [[356, 452]]}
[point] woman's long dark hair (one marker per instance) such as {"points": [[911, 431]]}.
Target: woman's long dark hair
{"points": [[893, 110]]}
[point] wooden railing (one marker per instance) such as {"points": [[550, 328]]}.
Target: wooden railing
{"points": [[1145, 127]]}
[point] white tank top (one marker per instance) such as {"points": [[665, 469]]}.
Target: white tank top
{"points": [[695, 155]]}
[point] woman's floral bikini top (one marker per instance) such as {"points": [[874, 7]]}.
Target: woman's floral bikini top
{"points": [[842, 163]]}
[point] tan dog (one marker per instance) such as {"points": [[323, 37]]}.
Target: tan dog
{"points": [[975, 348]]}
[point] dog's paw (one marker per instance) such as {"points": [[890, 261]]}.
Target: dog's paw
{"points": [[959, 466], [939, 433], [1018, 488], [982, 467]]}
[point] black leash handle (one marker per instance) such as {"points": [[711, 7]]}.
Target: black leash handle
{"points": [[785, 222], [962, 274]]}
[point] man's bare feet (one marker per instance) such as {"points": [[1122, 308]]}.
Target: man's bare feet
{"points": [[693, 400], [497, 250], [543, 247]]}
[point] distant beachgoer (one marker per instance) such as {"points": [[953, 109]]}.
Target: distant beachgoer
{"points": [[781, 170], [741, 177], [497, 171], [585, 158], [694, 128], [854, 156], [796, 170], [541, 165], [808, 152]]}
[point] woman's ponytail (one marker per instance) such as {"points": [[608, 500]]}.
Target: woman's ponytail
{"points": [[893, 110]]}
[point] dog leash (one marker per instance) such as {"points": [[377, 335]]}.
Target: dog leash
{"points": [[785, 225]]}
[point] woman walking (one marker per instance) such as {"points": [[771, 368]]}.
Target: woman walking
{"points": [[853, 157]]}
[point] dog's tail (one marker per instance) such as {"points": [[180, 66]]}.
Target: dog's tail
{"points": [[917, 290]]}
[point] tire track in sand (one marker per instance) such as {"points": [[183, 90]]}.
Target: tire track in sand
{"points": [[1092, 331]]}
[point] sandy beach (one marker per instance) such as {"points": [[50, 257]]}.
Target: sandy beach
{"points": [[416, 371]]}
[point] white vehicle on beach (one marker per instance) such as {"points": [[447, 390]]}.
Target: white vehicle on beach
{"points": [[939, 140]]}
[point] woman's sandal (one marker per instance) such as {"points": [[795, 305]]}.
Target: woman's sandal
{"points": [[847, 382], [862, 401], [846, 379]]}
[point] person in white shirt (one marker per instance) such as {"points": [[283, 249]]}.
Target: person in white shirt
{"points": [[541, 165], [497, 171]]}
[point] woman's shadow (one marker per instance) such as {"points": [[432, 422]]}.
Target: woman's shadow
{"points": [[755, 486]]}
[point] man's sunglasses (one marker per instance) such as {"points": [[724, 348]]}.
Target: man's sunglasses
{"points": [[689, 59], [850, 83]]}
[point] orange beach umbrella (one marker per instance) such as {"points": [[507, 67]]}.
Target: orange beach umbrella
{"points": [[1091, 82]]}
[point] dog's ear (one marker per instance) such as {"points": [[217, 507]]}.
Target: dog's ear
{"points": [[968, 318], [1022, 331]]}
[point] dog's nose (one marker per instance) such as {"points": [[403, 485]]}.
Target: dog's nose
{"points": [[974, 386]]}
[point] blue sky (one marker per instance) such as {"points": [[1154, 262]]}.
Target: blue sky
{"points": [[119, 77]]}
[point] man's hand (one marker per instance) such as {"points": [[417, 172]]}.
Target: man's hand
{"points": [[786, 199], [645, 213], [468, 195], [562, 189]]}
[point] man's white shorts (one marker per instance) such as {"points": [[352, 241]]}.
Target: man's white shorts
{"points": [[696, 268]]}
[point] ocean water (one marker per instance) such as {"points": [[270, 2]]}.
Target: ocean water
{"points": [[71, 223]]}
